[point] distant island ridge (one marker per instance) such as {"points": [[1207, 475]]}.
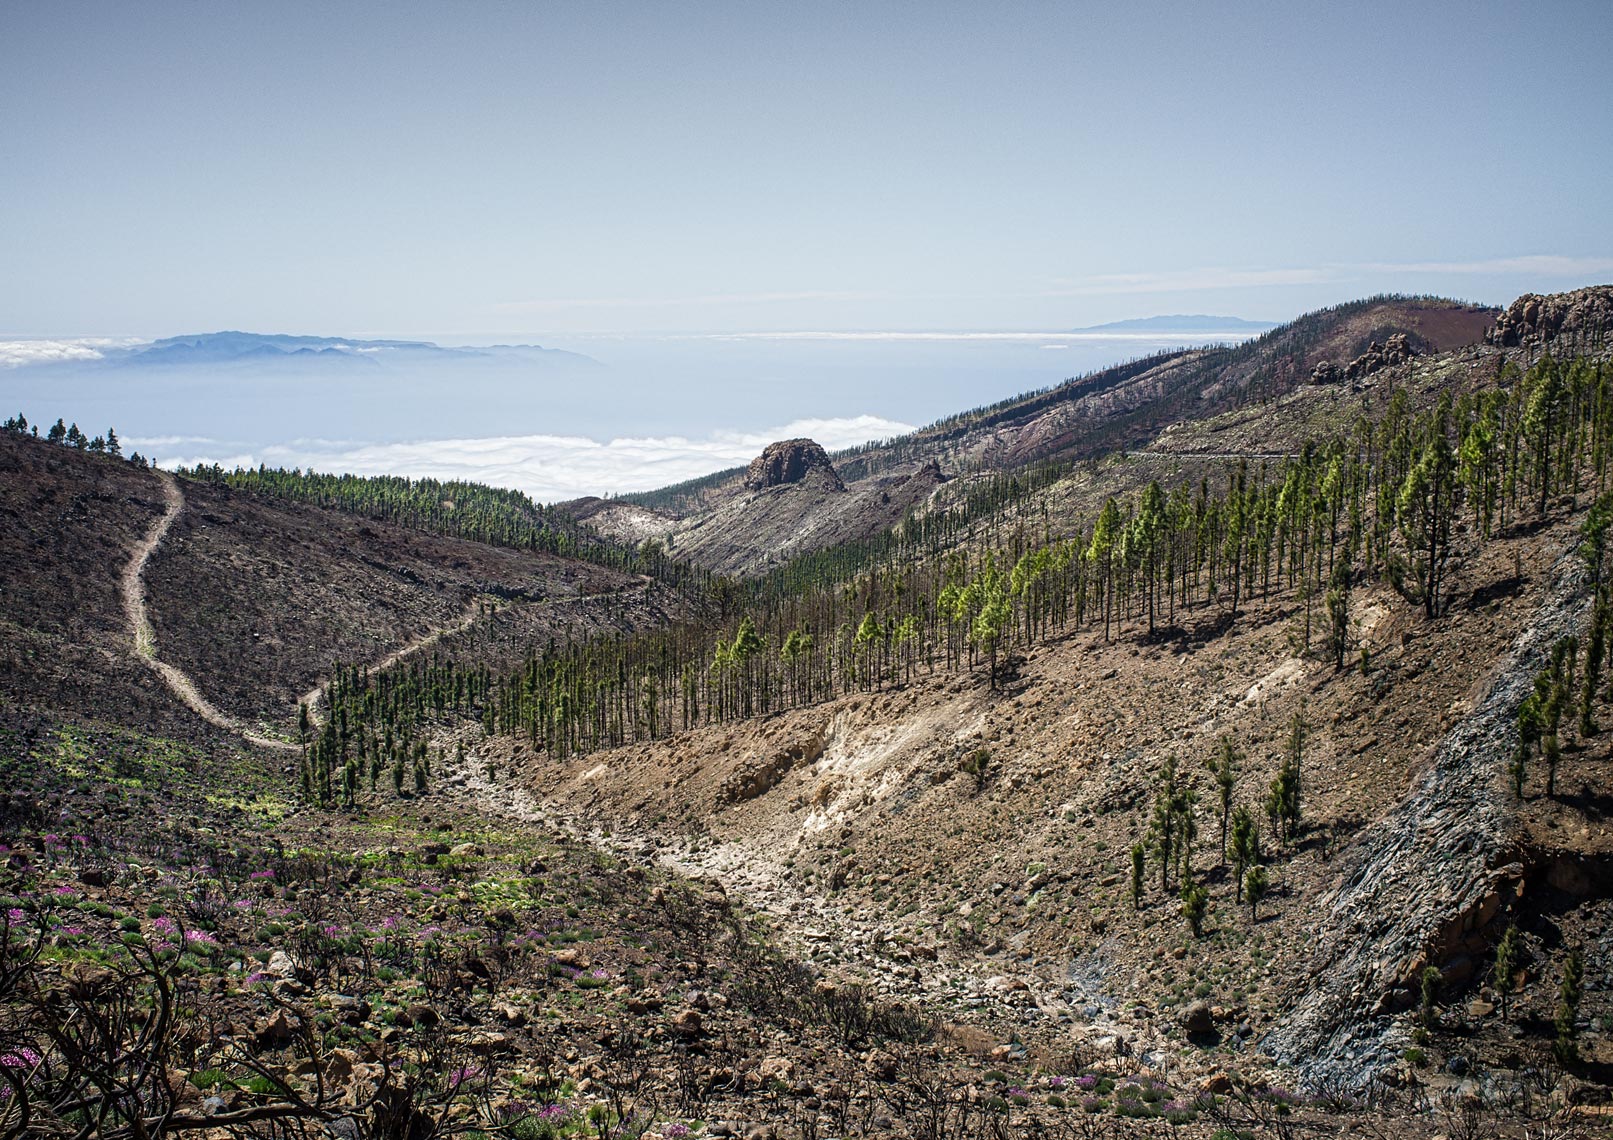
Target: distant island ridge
{"points": [[1182, 323]]}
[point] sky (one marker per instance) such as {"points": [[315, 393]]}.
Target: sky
{"points": [[611, 178]]}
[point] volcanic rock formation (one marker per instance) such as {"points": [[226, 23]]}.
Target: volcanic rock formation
{"points": [[790, 461], [1533, 319]]}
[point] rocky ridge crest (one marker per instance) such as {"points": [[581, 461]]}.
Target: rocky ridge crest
{"points": [[1533, 319]]}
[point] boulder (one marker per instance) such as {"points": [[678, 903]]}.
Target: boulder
{"points": [[420, 1017], [278, 1028], [1197, 1018], [1396, 350], [776, 1069]]}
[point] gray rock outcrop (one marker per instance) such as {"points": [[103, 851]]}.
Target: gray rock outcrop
{"points": [[1584, 316], [1420, 887]]}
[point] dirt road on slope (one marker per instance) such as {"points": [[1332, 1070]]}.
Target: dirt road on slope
{"points": [[133, 592], [314, 698]]}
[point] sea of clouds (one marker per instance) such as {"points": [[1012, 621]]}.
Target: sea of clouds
{"points": [[550, 468]]}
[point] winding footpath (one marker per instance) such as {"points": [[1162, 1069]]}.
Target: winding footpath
{"points": [[314, 698], [133, 593], [145, 638]]}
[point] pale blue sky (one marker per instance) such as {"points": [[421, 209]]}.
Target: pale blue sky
{"points": [[546, 170], [626, 180]]}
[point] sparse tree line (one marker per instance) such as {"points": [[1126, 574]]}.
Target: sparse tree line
{"points": [[1173, 836], [1561, 711], [69, 435], [1391, 500]]}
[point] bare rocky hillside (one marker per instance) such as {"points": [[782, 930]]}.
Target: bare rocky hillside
{"points": [[940, 902]]}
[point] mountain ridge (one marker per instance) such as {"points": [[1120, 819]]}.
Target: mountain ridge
{"points": [[236, 347]]}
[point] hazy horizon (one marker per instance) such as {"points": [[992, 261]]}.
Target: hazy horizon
{"points": [[641, 413], [754, 214]]}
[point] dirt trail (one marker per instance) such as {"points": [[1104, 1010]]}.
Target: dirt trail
{"points": [[132, 589], [145, 639], [314, 698]]}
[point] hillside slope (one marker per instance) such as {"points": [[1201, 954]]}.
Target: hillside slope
{"points": [[1005, 892], [253, 598], [943, 822], [721, 523]]}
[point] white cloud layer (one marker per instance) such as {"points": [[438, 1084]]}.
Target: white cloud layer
{"points": [[1539, 264], [16, 353], [558, 303], [550, 468]]}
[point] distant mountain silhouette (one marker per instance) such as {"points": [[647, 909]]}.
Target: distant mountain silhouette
{"points": [[1182, 323], [232, 346]]}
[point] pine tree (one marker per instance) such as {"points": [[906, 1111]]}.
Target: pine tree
{"points": [[1506, 964], [1283, 799], [1338, 613], [747, 646], [1529, 728], [1566, 1020], [1594, 533], [869, 636], [1245, 846], [1224, 767], [1255, 886], [1429, 997], [1595, 652], [1424, 509], [1166, 826], [1195, 904], [992, 617]]}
